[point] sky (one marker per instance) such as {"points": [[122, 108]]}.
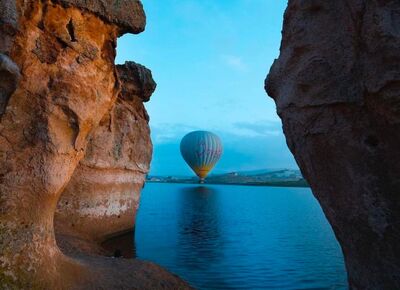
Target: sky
{"points": [[209, 59]]}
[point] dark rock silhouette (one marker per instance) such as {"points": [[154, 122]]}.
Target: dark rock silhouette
{"points": [[336, 85], [58, 81], [9, 75]]}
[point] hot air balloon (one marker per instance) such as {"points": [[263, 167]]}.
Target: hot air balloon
{"points": [[201, 151]]}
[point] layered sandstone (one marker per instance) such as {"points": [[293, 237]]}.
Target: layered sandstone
{"points": [[336, 85], [58, 81], [103, 195]]}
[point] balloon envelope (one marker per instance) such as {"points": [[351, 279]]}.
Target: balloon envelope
{"points": [[201, 151]]}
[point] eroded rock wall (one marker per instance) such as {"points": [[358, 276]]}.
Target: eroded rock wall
{"points": [[103, 195], [58, 80], [337, 89]]}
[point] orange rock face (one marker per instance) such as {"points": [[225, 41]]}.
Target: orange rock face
{"points": [[58, 81], [103, 195]]}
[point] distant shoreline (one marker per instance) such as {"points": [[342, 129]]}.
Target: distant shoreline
{"points": [[299, 184], [277, 178]]}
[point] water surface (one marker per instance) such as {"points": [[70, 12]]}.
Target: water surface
{"points": [[239, 237]]}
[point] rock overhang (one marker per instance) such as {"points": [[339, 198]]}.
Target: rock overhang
{"points": [[128, 15]]}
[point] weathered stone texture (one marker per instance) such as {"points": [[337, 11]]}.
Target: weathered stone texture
{"points": [[103, 195], [9, 75], [138, 81], [8, 24], [337, 89], [58, 81], [127, 15]]}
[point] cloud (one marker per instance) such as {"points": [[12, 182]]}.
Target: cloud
{"points": [[260, 128], [166, 133], [173, 132], [247, 146], [234, 62]]}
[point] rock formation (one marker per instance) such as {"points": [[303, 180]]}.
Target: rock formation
{"points": [[103, 195], [58, 81], [337, 89]]}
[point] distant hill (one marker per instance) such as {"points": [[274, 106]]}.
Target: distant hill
{"points": [[281, 177], [265, 171]]}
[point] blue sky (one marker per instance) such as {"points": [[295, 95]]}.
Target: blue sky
{"points": [[209, 59]]}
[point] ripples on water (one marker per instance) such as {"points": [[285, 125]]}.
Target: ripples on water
{"points": [[239, 237]]}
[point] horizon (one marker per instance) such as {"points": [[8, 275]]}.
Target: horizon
{"points": [[181, 48], [214, 173]]}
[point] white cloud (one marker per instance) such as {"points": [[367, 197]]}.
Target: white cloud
{"points": [[234, 62], [165, 133], [247, 146], [173, 132], [260, 128]]}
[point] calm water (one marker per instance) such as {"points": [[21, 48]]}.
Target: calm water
{"points": [[239, 237]]}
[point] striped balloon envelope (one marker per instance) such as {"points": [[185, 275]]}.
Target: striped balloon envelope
{"points": [[201, 151]]}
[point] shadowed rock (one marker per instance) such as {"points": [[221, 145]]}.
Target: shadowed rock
{"points": [[128, 15], [8, 24], [337, 89], [137, 81], [9, 76]]}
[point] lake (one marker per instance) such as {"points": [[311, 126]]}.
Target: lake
{"points": [[239, 237]]}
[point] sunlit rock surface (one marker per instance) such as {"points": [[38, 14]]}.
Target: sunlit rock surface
{"points": [[337, 89], [58, 82], [103, 195]]}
